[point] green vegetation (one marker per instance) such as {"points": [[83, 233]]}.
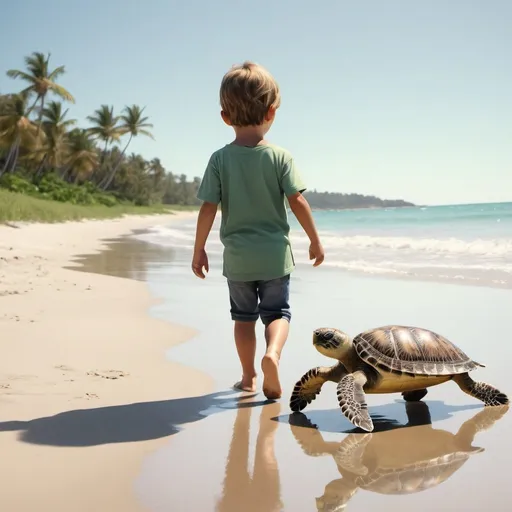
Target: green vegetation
{"points": [[55, 170], [337, 201], [21, 207]]}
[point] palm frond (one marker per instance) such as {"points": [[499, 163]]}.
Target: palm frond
{"points": [[56, 73], [133, 122], [15, 73], [147, 133], [62, 92]]}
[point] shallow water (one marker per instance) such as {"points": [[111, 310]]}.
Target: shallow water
{"points": [[464, 244], [233, 452]]}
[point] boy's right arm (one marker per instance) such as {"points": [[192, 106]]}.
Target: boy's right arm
{"points": [[301, 209], [293, 186]]}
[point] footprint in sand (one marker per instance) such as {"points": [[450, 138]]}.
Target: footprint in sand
{"points": [[64, 368], [108, 374], [87, 396]]}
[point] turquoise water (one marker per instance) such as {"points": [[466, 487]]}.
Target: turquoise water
{"points": [[469, 244], [494, 219]]}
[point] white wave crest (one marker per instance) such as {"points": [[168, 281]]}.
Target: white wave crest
{"points": [[449, 246]]}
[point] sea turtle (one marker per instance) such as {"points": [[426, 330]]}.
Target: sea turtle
{"points": [[404, 460], [389, 359]]}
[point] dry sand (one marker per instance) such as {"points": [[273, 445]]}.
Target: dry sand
{"points": [[72, 341]]}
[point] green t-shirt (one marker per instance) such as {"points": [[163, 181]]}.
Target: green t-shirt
{"points": [[251, 183]]}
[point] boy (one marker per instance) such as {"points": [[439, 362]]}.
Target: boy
{"points": [[250, 178]]}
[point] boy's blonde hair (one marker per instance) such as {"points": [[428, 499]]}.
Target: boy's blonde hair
{"points": [[247, 92]]}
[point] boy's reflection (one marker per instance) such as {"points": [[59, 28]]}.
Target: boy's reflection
{"points": [[262, 491]]}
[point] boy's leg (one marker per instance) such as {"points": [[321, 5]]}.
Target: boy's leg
{"points": [[245, 341], [243, 297], [275, 314]]}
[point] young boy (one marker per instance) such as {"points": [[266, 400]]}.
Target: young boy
{"points": [[250, 178]]}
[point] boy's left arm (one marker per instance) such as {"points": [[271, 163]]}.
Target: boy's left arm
{"points": [[205, 220], [210, 193]]}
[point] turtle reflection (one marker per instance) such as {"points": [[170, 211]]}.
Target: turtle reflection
{"points": [[398, 461]]}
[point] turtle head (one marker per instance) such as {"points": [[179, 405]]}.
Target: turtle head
{"points": [[331, 342]]}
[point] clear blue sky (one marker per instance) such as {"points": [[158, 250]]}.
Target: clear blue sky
{"points": [[397, 98]]}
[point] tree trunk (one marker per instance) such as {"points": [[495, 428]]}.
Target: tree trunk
{"points": [[33, 105], [40, 120], [110, 178], [8, 159], [65, 172], [15, 156], [41, 166], [102, 159]]}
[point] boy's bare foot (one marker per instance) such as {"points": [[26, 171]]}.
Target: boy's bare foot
{"points": [[271, 385], [246, 384]]}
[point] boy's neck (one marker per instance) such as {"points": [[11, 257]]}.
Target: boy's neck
{"points": [[250, 135]]}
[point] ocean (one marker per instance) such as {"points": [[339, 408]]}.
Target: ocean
{"points": [[466, 244], [395, 266]]}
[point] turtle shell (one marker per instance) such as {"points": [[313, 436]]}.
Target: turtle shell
{"points": [[414, 477], [411, 350]]}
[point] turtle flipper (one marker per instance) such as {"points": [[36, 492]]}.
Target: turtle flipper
{"points": [[349, 455], [352, 401], [482, 421], [336, 495], [312, 442], [310, 384], [488, 394]]}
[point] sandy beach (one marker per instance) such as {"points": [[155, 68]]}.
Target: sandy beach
{"points": [[115, 374], [75, 341]]}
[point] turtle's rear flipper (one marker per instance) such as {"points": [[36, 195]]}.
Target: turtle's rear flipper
{"points": [[414, 396], [488, 394], [484, 420], [352, 401], [349, 455]]}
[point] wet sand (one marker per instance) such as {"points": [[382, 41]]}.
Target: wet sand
{"points": [[81, 366], [244, 453]]}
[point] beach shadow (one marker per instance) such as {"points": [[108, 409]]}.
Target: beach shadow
{"points": [[385, 417], [402, 460], [125, 423], [260, 492]]}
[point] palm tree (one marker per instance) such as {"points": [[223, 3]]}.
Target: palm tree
{"points": [[82, 157], [104, 128], [41, 81], [55, 126], [16, 130], [133, 123], [6, 102]]}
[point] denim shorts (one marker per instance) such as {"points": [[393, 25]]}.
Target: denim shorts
{"points": [[267, 300]]}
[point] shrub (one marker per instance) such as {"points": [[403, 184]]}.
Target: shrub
{"points": [[52, 187], [15, 183]]}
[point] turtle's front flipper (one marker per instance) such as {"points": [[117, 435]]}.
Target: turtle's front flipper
{"points": [[312, 442], [349, 455], [310, 384], [336, 496], [352, 401], [488, 394]]}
